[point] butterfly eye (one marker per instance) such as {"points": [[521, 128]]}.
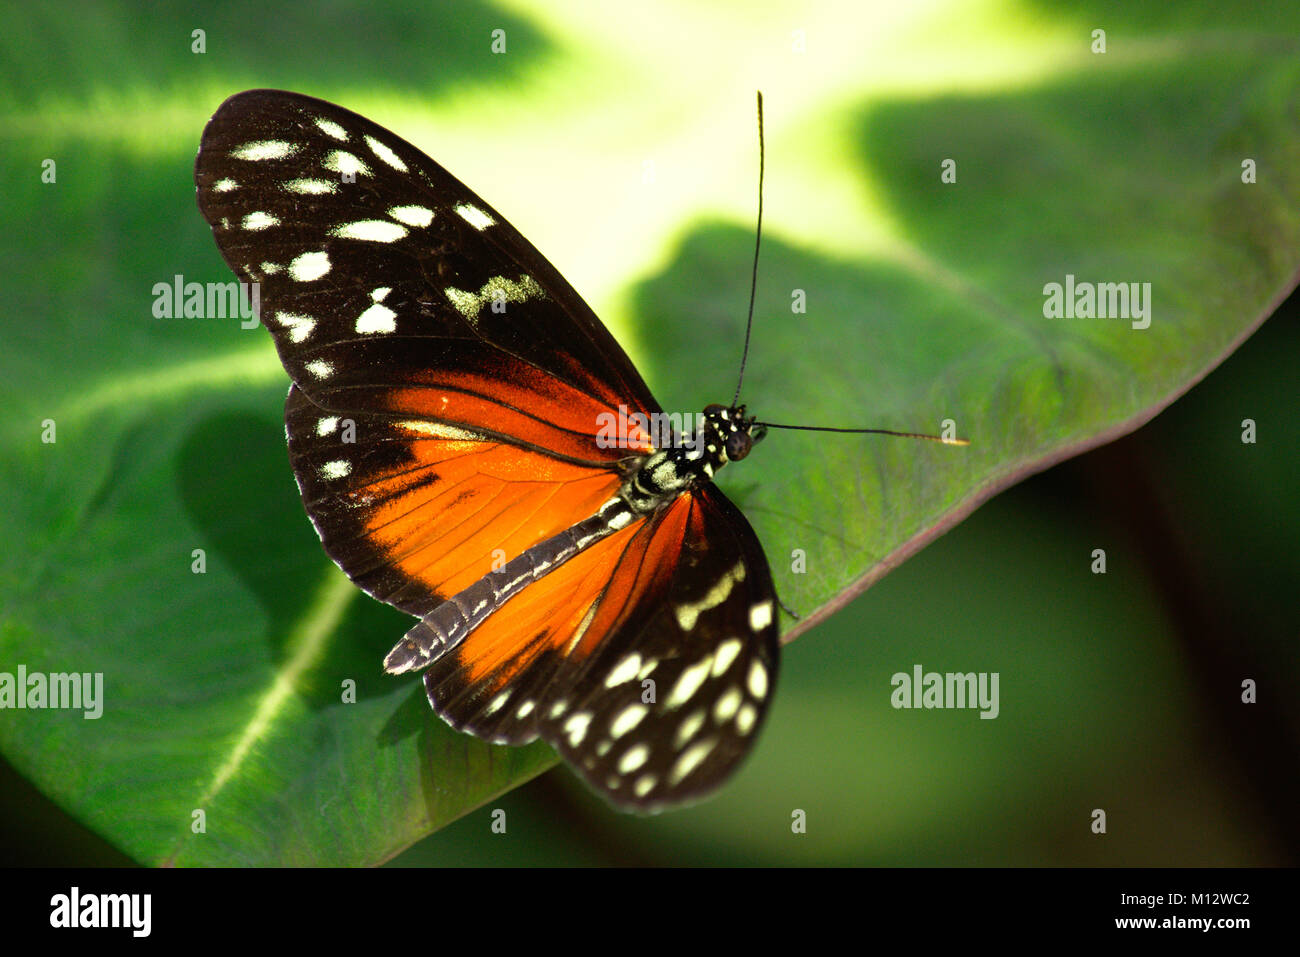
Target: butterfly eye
{"points": [[738, 445]]}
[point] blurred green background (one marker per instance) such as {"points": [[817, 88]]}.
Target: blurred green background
{"points": [[1119, 692]]}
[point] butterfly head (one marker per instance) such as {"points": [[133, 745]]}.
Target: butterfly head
{"points": [[729, 434]]}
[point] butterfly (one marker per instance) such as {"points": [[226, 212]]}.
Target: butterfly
{"points": [[448, 419]]}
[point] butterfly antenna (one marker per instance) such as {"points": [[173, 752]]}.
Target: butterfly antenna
{"points": [[758, 238], [749, 325], [903, 435]]}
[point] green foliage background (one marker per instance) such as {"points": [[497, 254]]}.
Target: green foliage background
{"points": [[620, 141]]}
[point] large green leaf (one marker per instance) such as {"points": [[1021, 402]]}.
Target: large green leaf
{"points": [[224, 690]]}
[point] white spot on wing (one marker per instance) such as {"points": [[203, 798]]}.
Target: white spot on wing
{"points": [[687, 729], [337, 469], [378, 318], [370, 230], [757, 680], [331, 129], [224, 185], [384, 153], [309, 266], [436, 430], [264, 150], [327, 425], [644, 785], [633, 759], [299, 326], [469, 304], [412, 215], [311, 187], [628, 719], [691, 759], [689, 682], [625, 670], [319, 368], [259, 220], [466, 303], [343, 162], [688, 613], [745, 720], [726, 654], [475, 216], [760, 615], [497, 703], [576, 727], [727, 705]]}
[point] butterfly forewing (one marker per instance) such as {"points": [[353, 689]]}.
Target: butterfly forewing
{"points": [[362, 245], [372, 261], [449, 388]]}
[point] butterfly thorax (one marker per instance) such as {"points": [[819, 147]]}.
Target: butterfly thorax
{"points": [[726, 435]]}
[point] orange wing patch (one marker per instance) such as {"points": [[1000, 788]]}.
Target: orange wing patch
{"points": [[644, 571], [549, 613], [565, 617], [526, 405], [415, 509], [459, 506]]}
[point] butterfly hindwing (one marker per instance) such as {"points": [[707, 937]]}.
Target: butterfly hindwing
{"points": [[654, 683]]}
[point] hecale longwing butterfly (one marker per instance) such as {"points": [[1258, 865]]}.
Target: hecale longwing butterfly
{"points": [[444, 424]]}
